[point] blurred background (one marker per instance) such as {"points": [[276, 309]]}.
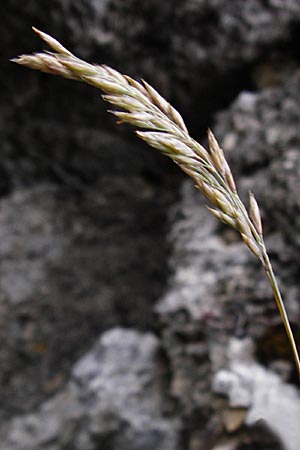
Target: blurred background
{"points": [[129, 318]]}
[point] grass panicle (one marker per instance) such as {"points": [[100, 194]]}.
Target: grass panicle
{"points": [[140, 105]]}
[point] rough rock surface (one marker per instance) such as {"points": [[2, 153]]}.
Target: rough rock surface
{"points": [[83, 235], [262, 392], [264, 127], [64, 278], [218, 289], [116, 398]]}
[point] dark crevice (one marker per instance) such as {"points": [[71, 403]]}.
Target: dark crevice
{"points": [[274, 346], [224, 88]]}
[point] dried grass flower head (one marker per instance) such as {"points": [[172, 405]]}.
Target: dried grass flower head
{"points": [[163, 128]]}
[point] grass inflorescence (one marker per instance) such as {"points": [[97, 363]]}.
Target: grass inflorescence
{"points": [[163, 128]]}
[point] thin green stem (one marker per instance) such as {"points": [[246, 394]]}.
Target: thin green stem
{"points": [[280, 305]]}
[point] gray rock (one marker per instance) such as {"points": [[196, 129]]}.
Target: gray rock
{"points": [[55, 425], [260, 136], [89, 251], [121, 382], [218, 290], [69, 270], [116, 399], [267, 398]]}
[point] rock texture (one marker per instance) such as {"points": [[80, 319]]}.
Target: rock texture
{"points": [[64, 277], [96, 232], [116, 398], [263, 125], [218, 289], [249, 386]]}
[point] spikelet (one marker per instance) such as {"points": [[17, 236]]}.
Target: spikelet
{"points": [[216, 153], [255, 214], [165, 106], [53, 43], [252, 245], [223, 217]]}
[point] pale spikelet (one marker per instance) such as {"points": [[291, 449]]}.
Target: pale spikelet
{"points": [[46, 63], [115, 74], [53, 43], [255, 214], [222, 217], [200, 151], [168, 144], [156, 98], [243, 225], [164, 106], [109, 87], [125, 102], [216, 152], [141, 119], [207, 191], [230, 180], [219, 160], [138, 86], [252, 245], [79, 68], [223, 202]]}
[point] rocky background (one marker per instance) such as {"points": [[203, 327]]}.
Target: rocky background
{"points": [[129, 318]]}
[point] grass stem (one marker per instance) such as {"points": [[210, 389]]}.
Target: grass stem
{"points": [[280, 305]]}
